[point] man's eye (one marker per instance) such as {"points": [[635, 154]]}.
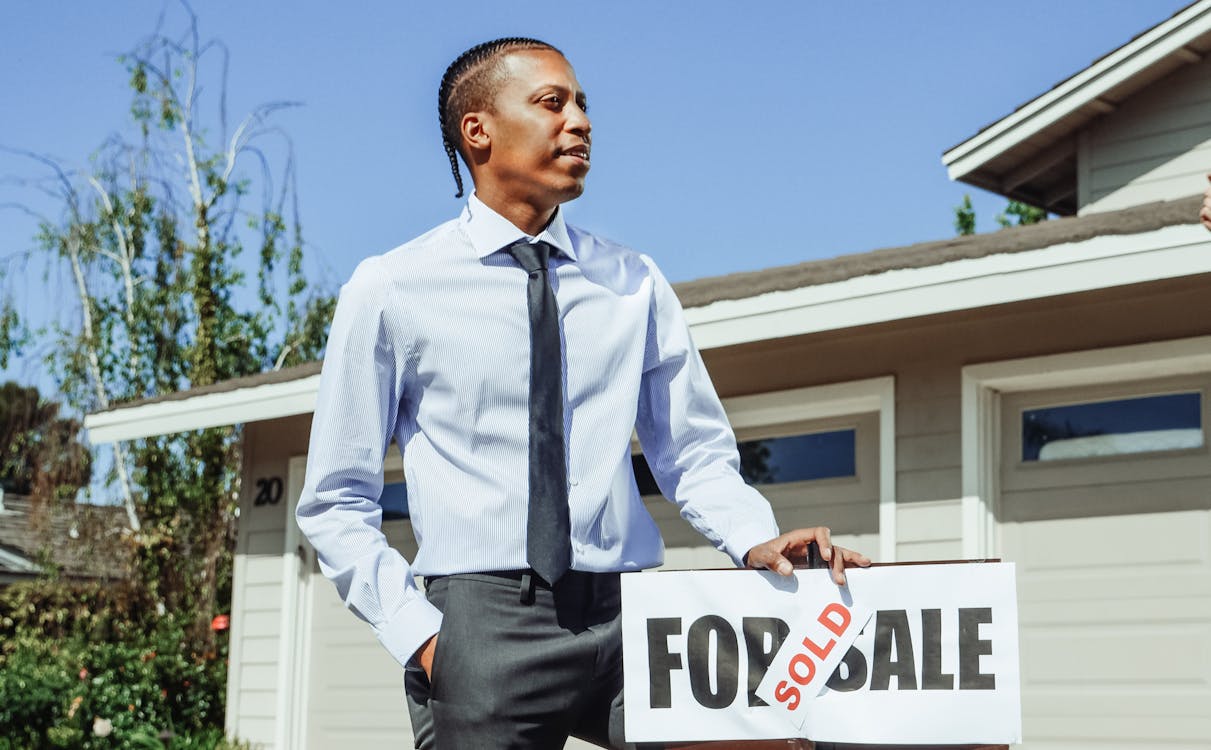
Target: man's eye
{"points": [[553, 100]]}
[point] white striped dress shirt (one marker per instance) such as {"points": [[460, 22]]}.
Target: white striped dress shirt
{"points": [[430, 346]]}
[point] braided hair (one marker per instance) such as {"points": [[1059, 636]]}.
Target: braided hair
{"points": [[468, 86]]}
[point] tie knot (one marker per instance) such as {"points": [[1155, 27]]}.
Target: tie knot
{"points": [[533, 256]]}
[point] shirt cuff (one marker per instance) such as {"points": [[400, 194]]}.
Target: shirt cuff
{"points": [[407, 631], [743, 539]]}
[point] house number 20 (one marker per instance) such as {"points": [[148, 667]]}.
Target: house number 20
{"points": [[268, 491]]}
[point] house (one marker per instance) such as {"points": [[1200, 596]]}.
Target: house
{"points": [[1040, 394], [81, 541]]}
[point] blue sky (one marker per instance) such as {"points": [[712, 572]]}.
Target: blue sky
{"points": [[728, 136]]}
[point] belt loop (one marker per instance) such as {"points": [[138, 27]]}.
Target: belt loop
{"points": [[526, 591]]}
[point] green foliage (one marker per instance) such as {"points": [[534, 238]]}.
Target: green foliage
{"points": [[40, 452], [1019, 214], [965, 217], [154, 241], [89, 667], [1016, 213]]}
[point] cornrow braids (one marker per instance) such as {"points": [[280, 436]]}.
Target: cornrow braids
{"points": [[467, 86]]}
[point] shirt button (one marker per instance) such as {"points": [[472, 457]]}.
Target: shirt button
{"points": [[572, 482]]}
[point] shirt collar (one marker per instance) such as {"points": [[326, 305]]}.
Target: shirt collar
{"points": [[489, 231]]}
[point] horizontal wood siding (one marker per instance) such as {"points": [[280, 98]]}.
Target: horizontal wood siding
{"points": [[257, 580], [926, 356], [1157, 146]]}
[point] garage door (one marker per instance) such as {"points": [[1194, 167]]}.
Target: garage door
{"points": [[814, 472], [355, 693], [1106, 509]]}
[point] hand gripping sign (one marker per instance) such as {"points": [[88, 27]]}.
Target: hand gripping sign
{"points": [[930, 651]]}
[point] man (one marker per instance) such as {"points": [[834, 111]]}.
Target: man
{"points": [[511, 356]]}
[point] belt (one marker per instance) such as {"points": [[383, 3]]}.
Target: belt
{"points": [[526, 579]]}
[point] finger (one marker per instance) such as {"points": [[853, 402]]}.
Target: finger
{"points": [[773, 560], [838, 566], [852, 558], [795, 541], [782, 566], [825, 541]]}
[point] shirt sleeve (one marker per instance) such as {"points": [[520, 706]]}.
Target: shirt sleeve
{"points": [[687, 440], [355, 416]]}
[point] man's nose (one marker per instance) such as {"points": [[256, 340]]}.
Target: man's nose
{"points": [[578, 121]]}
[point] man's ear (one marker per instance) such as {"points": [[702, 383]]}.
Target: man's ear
{"points": [[475, 128]]}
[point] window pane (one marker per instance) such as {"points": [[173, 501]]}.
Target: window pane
{"points": [[394, 501], [820, 455], [1109, 428]]}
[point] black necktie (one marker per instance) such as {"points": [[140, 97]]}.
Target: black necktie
{"points": [[548, 528]]}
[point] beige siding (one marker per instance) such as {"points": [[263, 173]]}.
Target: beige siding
{"points": [[928, 472], [926, 357], [252, 699], [929, 530], [1157, 146]]}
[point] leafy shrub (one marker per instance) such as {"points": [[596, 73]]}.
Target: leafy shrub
{"points": [[81, 668]]}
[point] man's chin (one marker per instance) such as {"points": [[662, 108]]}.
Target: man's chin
{"points": [[573, 192]]}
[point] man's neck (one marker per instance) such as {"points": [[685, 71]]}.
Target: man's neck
{"points": [[525, 216]]}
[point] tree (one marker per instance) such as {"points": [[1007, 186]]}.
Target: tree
{"points": [[41, 452], [152, 235], [965, 217], [1016, 213]]}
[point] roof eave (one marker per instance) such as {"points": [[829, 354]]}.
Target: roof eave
{"points": [[1039, 126], [1081, 264]]}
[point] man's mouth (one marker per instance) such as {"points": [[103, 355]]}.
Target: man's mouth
{"points": [[579, 152]]}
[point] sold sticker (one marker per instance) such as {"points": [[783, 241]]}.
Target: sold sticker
{"points": [[814, 647]]}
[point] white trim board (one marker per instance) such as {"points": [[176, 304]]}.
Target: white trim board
{"points": [[1072, 267], [981, 388], [1096, 263], [1162, 41], [269, 401]]}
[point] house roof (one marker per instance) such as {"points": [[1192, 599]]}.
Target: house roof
{"points": [[1054, 257], [1030, 154], [1134, 220], [82, 540]]}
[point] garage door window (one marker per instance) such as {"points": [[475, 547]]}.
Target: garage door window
{"points": [[1146, 424], [779, 460], [1103, 439]]}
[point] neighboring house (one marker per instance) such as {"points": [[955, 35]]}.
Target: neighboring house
{"points": [[80, 542], [1040, 394]]}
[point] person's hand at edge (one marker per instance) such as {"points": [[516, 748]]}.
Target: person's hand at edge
{"points": [[425, 656], [1205, 214], [774, 555]]}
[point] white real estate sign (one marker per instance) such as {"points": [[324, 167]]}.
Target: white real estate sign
{"points": [[730, 655]]}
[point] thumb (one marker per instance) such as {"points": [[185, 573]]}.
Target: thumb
{"points": [[781, 565]]}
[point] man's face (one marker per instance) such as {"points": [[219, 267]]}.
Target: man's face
{"points": [[539, 130]]}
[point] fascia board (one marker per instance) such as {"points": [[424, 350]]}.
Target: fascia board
{"points": [[260, 402], [1079, 90], [1097, 263], [17, 563]]}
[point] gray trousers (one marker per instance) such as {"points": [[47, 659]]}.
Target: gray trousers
{"points": [[519, 665]]}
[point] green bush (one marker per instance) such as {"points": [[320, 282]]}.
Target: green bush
{"points": [[79, 669]]}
